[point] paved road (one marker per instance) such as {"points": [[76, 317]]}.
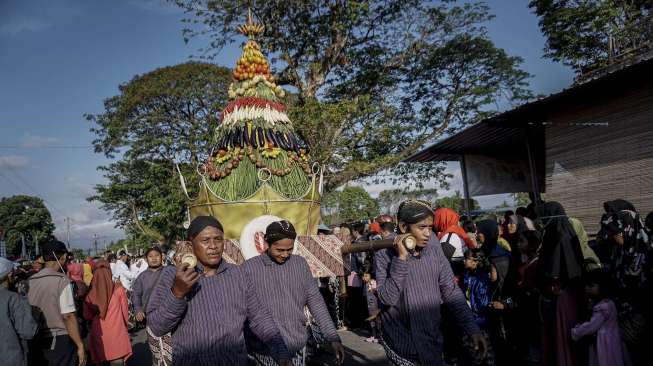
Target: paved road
{"points": [[359, 352], [141, 356]]}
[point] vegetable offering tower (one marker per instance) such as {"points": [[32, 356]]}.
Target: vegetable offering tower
{"points": [[258, 164]]}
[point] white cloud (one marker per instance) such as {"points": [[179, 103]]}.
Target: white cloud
{"points": [[30, 140], [13, 161], [76, 189], [87, 219]]}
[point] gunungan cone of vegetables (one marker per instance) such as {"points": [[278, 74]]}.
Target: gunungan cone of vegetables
{"points": [[255, 142]]}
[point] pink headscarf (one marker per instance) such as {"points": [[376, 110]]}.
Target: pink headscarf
{"points": [[76, 271]]}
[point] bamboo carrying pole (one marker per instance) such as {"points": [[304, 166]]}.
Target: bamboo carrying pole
{"points": [[409, 241]]}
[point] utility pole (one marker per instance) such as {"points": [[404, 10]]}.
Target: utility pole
{"points": [[23, 249], [95, 242], [67, 219], [35, 238], [3, 247]]}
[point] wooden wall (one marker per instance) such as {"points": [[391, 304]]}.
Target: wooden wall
{"points": [[588, 165]]}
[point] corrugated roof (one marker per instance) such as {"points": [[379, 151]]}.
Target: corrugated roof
{"points": [[604, 84], [505, 132], [481, 138]]}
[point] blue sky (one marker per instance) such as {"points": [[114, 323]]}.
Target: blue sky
{"points": [[60, 59]]}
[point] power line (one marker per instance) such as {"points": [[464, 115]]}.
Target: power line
{"points": [[85, 239], [11, 181], [54, 208], [22, 147], [28, 185]]}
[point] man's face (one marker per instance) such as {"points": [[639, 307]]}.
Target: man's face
{"points": [[154, 259], [208, 246], [421, 230], [281, 250]]}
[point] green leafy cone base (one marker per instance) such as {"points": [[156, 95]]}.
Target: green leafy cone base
{"points": [[244, 180]]}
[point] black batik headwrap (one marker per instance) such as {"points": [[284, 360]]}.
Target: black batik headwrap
{"points": [[200, 223], [279, 230], [613, 207], [611, 225], [627, 223], [413, 211]]}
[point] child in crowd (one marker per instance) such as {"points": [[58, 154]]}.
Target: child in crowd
{"points": [[478, 288], [477, 285], [470, 228], [607, 348], [372, 308]]}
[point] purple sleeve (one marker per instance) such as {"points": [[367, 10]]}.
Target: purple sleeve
{"points": [[452, 296], [165, 311], [590, 327], [390, 277], [137, 293], [317, 306], [262, 324]]}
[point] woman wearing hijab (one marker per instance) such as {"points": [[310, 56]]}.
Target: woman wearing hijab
{"points": [[88, 270], [609, 227], [412, 286], [453, 238], [624, 232], [106, 308], [560, 267], [80, 289], [515, 227], [592, 261], [76, 274], [499, 255], [624, 235], [617, 205]]}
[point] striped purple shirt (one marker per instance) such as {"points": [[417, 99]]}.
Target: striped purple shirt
{"points": [[207, 325], [410, 293], [285, 289], [142, 286]]}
